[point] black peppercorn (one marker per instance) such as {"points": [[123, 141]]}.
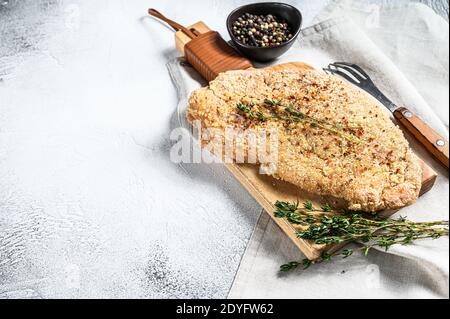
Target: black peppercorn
{"points": [[261, 30]]}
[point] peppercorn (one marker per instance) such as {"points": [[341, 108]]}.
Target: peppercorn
{"points": [[261, 30]]}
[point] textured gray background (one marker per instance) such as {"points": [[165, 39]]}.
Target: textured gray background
{"points": [[90, 205]]}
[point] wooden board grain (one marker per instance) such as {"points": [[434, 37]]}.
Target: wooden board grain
{"points": [[182, 39], [267, 190]]}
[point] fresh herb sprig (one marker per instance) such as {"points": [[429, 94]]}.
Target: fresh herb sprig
{"points": [[290, 114], [324, 228], [251, 114], [272, 103]]}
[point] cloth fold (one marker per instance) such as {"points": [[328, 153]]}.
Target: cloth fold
{"points": [[404, 47]]}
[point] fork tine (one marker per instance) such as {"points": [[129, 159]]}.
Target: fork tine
{"points": [[348, 69], [342, 74], [356, 67]]}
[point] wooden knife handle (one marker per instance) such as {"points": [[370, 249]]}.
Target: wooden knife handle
{"points": [[432, 141]]}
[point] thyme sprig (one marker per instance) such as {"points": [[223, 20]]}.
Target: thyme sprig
{"points": [[326, 226], [252, 114], [290, 114]]}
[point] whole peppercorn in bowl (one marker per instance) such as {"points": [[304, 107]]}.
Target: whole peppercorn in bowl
{"points": [[264, 31]]}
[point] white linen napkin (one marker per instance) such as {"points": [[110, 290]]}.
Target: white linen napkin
{"points": [[404, 47]]}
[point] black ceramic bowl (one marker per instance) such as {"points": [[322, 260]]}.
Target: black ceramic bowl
{"points": [[285, 11]]}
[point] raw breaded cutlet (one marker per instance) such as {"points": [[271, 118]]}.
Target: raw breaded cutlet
{"points": [[356, 153]]}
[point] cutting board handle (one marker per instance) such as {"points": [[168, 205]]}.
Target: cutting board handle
{"points": [[175, 25]]}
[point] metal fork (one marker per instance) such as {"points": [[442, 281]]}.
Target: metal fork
{"points": [[432, 141]]}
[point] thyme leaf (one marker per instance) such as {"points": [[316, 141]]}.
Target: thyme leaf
{"points": [[272, 103], [289, 266]]}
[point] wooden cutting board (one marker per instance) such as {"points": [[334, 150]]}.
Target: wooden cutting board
{"points": [[267, 190]]}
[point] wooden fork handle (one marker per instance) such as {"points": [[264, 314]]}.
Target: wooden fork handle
{"points": [[432, 141]]}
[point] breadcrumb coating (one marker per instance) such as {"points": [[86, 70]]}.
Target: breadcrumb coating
{"points": [[375, 171]]}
